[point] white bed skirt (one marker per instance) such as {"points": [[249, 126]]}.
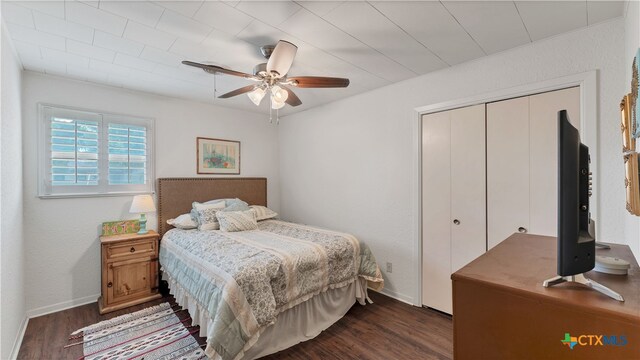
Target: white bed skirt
{"points": [[300, 323]]}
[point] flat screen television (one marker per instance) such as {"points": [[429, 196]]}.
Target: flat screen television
{"points": [[576, 246], [576, 230]]}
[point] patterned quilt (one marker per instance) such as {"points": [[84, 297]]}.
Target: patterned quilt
{"points": [[243, 280]]}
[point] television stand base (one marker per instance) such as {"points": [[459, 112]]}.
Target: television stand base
{"points": [[581, 279]]}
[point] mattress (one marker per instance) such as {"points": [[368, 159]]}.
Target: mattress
{"points": [[238, 283]]}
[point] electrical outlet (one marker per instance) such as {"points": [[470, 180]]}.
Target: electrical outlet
{"points": [[389, 267]]}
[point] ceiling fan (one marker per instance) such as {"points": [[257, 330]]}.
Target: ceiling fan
{"points": [[271, 77]]}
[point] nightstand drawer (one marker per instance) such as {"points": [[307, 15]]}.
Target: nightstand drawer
{"points": [[146, 247]]}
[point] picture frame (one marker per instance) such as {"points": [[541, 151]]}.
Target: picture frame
{"points": [[633, 104], [626, 124], [632, 183], [120, 227], [217, 156]]}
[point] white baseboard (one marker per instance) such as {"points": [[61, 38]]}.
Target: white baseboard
{"points": [[62, 306], [44, 311], [18, 341], [400, 297]]}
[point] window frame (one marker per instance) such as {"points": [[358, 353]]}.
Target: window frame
{"points": [[45, 188]]}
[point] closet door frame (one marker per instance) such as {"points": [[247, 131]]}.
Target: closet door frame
{"points": [[588, 84]]}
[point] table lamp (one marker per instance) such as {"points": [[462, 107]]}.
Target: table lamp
{"points": [[142, 204]]}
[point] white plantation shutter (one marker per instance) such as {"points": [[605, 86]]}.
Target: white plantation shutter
{"points": [[74, 152], [128, 151], [90, 153], [127, 154]]}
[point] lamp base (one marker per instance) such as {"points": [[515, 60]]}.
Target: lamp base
{"points": [[143, 225]]}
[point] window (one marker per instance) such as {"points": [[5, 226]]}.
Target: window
{"points": [[85, 153]]}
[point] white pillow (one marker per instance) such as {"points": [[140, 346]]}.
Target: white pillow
{"points": [[263, 212], [206, 215], [183, 221], [231, 221], [218, 204]]}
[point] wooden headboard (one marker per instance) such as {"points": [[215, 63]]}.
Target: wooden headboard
{"points": [[175, 195]]}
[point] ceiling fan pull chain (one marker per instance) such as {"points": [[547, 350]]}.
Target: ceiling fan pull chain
{"points": [[270, 115], [215, 87], [277, 116]]}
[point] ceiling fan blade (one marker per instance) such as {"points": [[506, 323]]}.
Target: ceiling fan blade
{"points": [[212, 69], [292, 99], [317, 82], [281, 58], [236, 92]]}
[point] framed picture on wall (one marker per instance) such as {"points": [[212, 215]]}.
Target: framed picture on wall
{"points": [[633, 98], [218, 156], [628, 140], [632, 183]]}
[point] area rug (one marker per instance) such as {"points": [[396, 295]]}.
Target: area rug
{"points": [[152, 333]]}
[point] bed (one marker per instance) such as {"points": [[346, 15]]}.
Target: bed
{"points": [[257, 292]]}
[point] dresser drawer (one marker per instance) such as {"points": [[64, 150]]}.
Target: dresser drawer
{"points": [[146, 247]]}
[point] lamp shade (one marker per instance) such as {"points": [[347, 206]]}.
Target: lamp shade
{"points": [[142, 204]]}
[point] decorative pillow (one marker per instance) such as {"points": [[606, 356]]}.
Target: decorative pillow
{"points": [[206, 215], [227, 201], [236, 205], [237, 220], [194, 216], [235, 201], [184, 222], [263, 212], [215, 205]]}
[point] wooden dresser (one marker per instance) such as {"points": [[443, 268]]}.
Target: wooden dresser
{"points": [[129, 270], [502, 311]]}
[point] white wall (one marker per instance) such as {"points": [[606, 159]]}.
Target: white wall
{"points": [[62, 234], [631, 44], [349, 165], [12, 300]]}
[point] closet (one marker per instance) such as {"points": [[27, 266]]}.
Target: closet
{"points": [[488, 171]]}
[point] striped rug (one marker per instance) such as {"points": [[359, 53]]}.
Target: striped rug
{"points": [[151, 333]]}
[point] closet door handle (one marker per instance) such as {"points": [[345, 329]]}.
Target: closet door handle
{"points": [[456, 221], [522, 230]]}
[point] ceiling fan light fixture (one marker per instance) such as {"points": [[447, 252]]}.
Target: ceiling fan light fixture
{"points": [[256, 95], [271, 78], [279, 94], [275, 104]]}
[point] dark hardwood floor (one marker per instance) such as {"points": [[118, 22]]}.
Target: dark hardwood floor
{"points": [[387, 329]]}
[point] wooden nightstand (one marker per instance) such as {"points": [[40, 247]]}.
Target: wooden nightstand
{"points": [[129, 270]]}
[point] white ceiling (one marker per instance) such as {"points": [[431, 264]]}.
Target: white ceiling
{"points": [[139, 44]]}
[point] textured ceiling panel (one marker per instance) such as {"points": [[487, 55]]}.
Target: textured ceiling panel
{"points": [[140, 44]]}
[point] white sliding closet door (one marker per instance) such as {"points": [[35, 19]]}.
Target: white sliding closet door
{"points": [[507, 169], [522, 162], [436, 211], [453, 198], [543, 127], [468, 192]]}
